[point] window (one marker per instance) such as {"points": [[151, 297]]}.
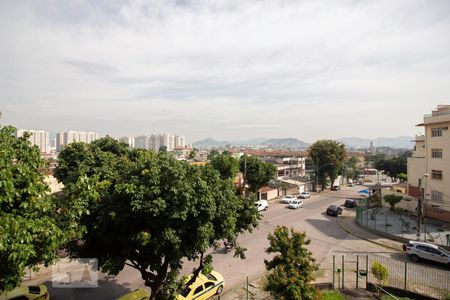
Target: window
{"points": [[209, 285], [436, 153], [198, 290], [436, 132], [436, 196], [436, 174]]}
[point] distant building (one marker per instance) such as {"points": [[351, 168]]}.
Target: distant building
{"points": [[127, 140], [141, 142], [67, 137], [39, 138], [429, 164]]}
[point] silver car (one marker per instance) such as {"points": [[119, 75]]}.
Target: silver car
{"points": [[420, 250], [288, 199], [295, 204]]}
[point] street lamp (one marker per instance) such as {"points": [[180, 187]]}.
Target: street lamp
{"points": [[420, 207]]}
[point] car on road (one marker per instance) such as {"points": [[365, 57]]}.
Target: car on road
{"points": [[350, 203], [139, 294], [32, 292], [334, 210], [296, 204], [335, 188], [420, 250], [204, 287], [261, 205], [287, 199], [304, 195]]}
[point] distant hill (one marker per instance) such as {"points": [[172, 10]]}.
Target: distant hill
{"points": [[286, 143], [397, 142], [273, 143], [210, 143]]}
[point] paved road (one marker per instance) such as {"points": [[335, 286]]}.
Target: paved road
{"points": [[327, 238]]}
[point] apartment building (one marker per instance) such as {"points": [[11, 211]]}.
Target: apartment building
{"points": [[39, 138], [127, 140], [141, 142], [65, 138], [429, 165], [157, 140]]}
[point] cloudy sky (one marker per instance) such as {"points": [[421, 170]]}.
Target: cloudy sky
{"points": [[229, 70]]}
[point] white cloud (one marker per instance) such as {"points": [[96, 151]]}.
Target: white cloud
{"points": [[225, 69]]}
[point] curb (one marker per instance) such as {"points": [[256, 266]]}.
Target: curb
{"points": [[364, 238]]}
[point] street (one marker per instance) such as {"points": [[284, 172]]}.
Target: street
{"points": [[325, 234]]}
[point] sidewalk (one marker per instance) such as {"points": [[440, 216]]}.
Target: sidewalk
{"points": [[348, 223]]}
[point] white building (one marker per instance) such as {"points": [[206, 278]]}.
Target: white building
{"points": [[67, 137], [127, 140], [157, 140], [39, 138], [180, 141], [141, 142]]}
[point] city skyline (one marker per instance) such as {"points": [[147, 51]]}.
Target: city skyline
{"points": [[230, 71]]}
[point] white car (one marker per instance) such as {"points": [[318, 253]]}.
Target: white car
{"points": [[304, 195], [288, 199], [295, 204], [420, 250], [262, 205]]}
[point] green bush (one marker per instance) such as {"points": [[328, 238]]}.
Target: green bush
{"points": [[380, 272]]}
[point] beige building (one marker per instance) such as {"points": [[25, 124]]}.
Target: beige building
{"points": [[429, 165]]}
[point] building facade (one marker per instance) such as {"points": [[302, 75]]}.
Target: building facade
{"points": [[40, 138], [127, 140], [65, 138], [429, 165]]}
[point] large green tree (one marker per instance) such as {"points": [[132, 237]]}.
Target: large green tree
{"points": [[394, 166], [33, 225], [292, 266], [227, 165], [328, 157], [257, 173], [150, 211]]}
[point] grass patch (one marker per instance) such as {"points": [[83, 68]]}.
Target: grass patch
{"points": [[332, 295]]}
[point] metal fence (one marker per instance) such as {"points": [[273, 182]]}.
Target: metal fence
{"points": [[354, 271]]}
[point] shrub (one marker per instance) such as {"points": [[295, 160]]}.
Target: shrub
{"points": [[380, 272]]}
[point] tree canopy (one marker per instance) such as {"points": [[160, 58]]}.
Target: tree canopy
{"points": [[33, 225], [394, 166], [328, 157], [150, 211], [227, 165], [292, 265], [257, 173]]}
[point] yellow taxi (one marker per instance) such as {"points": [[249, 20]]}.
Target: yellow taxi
{"points": [[139, 294], [204, 287], [26, 293]]}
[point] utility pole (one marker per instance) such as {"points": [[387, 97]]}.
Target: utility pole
{"points": [[420, 206]]}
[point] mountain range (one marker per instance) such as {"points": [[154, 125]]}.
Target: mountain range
{"points": [[403, 142]]}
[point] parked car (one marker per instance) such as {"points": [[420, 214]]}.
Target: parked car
{"points": [[334, 210], [204, 287], [31, 292], [287, 199], [139, 294], [295, 204], [262, 205], [335, 188], [304, 195], [350, 203], [432, 252]]}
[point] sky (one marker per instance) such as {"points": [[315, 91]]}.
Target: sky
{"points": [[229, 70]]}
